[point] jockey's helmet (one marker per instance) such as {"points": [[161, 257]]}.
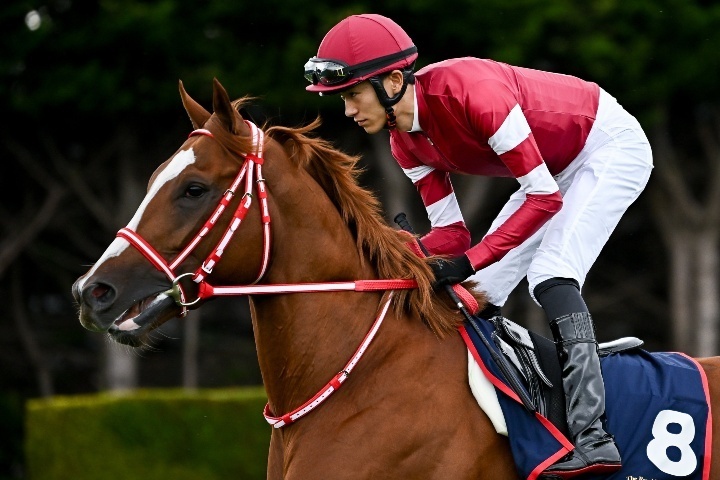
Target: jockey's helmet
{"points": [[357, 48], [363, 47]]}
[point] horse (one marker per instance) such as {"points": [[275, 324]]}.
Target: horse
{"points": [[328, 280]]}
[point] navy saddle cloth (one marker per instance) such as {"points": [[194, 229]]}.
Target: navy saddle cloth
{"points": [[656, 408]]}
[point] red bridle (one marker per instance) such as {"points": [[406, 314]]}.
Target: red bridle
{"points": [[253, 166]]}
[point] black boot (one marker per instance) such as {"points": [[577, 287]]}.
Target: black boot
{"points": [[595, 450]]}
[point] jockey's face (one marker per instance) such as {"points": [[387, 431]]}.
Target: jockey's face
{"points": [[363, 106]]}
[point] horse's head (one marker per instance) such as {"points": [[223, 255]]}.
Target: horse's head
{"points": [[177, 229]]}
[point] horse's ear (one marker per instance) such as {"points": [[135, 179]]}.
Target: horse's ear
{"points": [[198, 115], [225, 112]]}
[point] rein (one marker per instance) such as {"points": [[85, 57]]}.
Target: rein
{"points": [[252, 166]]}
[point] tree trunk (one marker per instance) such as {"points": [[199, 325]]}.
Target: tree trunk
{"points": [[688, 222], [191, 346], [120, 372], [681, 286], [694, 291], [27, 336], [706, 258]]}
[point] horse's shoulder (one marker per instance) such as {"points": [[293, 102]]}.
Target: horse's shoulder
{"points": [[710, 364]]}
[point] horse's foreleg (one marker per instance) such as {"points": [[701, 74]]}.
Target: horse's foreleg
{"points": [[275, 457]]}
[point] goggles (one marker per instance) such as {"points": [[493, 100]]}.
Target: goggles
{"points": [[333, 72], [327, 72]]}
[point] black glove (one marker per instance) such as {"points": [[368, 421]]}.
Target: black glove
{"points": [[490, 311], [450, 271]]}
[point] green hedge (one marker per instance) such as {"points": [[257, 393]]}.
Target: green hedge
{"points": [[148, 434]]}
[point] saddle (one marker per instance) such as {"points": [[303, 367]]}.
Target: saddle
{"points": [[534, 360]]}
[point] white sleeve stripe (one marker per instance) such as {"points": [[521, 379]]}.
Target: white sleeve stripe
{"points": [[511, 133], [418, 173], [445, 211], [538, 181]]}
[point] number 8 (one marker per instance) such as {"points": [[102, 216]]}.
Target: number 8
{"points": [[663, 439]]}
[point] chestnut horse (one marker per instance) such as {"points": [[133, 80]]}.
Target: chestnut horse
{"points": [[405, 410]]}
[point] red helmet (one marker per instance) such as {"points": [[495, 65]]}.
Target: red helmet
{"points": [[357, 48]]}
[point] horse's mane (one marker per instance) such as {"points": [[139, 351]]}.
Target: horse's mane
{"points": [[384, 246]]}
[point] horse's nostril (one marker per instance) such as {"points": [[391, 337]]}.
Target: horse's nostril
{"points": [[98, 294], [99, 291]]}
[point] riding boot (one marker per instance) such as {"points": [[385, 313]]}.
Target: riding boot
{"points": [[595, 450]]}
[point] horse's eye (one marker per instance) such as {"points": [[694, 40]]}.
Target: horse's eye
{"points": [[195, 191]]}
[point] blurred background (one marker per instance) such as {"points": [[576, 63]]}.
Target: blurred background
{"points": [[89, 107]]}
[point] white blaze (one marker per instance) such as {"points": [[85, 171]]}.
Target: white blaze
{"points": [[174, 168]]}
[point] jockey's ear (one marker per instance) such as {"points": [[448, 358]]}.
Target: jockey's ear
{"points": [[198, 115], [226, 113], [396, 79]]}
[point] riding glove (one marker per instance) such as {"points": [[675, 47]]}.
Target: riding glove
{"points": [[450, 271]]}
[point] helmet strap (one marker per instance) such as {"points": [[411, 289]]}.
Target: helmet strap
{"points": [[387, 101]]}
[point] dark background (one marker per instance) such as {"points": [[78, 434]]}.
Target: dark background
{"points": [[89, 107]]}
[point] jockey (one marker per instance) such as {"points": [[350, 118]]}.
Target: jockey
{"points": [[580, 160]]}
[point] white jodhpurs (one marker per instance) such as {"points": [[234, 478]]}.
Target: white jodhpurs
{"points": [[597, 188]]}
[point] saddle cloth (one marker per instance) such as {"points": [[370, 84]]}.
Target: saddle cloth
{"points": [[657, 408]]}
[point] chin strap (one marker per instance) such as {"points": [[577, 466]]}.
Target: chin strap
{"points": [[387, 101]]}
